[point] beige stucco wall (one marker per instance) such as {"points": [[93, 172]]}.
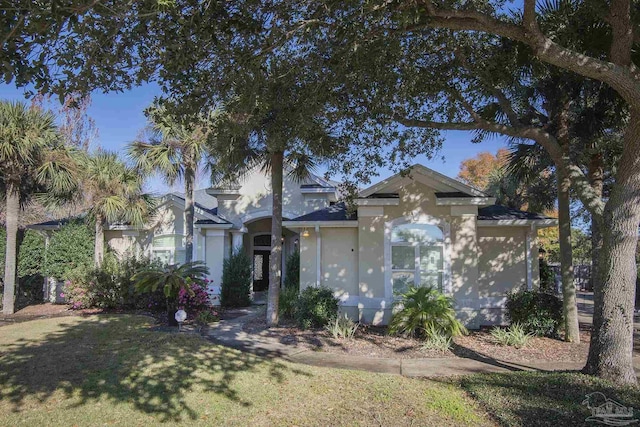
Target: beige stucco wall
{"points": [[128, 242], [371, 256], [339, 260], [484, 262], [308, 255], [503, 268], [256, 200], [502, 260]]}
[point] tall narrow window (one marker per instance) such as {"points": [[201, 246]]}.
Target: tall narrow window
{"points": [[417, 256]]}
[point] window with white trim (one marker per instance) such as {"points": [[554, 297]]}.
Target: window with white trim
{"points": [[169, 249], [417, 256]]}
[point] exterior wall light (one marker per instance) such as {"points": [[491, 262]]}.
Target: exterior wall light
{"points": [[305, 233]]}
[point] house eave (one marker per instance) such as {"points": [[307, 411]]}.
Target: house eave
{"points": [[308, 224], [378, 202], [538, 223], [318, 190], [213, 226], [460, 201]]}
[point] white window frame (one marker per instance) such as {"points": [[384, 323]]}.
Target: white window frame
{"points": [[171, 249], [416, 219]]}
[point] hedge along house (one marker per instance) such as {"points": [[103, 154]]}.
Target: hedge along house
{"points": [[421, 229]]}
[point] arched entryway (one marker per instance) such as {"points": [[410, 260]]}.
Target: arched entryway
{"points": [[257, 243]]}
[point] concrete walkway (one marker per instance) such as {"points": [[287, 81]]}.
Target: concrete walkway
{"points": [[231, 334]]}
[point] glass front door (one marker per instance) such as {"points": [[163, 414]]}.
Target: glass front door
{"points": [[260, 270]]}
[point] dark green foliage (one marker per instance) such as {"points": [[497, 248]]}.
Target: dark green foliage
{"points": [[547, 277], [30, 265], [539, 313], [30, 253], [111, 285], [288, 301], [422, 310], [292, 268], [289, 294], [171, 279], [315, 308], [235, 289], [70, 248]]}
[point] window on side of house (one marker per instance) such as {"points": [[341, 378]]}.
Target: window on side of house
{"points": [[417, 256], [169, 248]]}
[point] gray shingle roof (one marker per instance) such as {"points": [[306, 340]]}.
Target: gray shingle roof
{"points": [[205, 202], [497, 212], [451, 194], [337, 212]]}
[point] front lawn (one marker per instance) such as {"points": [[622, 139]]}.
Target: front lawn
{"points": [[542, 399], [113, 370]]}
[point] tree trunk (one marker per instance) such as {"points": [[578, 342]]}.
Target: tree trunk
{"points": [[570, 309], [611, 349], [563, 182], [98, 254], [275, 259], [596, 179], [189, 211], [12, 212]]}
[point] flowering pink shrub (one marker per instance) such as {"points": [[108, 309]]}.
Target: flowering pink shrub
{"points": [[77, 294], [196, 301]]}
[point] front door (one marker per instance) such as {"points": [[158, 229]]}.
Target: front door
{"points": [[260, 270]]}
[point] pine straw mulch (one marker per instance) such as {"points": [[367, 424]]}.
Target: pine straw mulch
{"points": [[373, 341]]}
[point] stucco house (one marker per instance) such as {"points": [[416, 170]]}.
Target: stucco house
{"points": [[420, 228]]}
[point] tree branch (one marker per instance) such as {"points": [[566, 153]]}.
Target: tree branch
{"points": [[408, 122], [625, 80], [579, 181]]}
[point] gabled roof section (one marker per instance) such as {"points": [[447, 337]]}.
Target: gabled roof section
{"points": [[202, 212], [445, 184]]}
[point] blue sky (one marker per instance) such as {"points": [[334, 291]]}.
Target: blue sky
{"points": [[119, 118]]}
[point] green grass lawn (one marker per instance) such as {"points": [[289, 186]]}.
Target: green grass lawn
{"points": [[542, 399], [112, 370]]}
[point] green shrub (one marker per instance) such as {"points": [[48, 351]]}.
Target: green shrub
{"points": [[30, 279], [292, 268], [342, 327], [316, 308], [70, 248], [288, 301], [205, 317], [235, 289], [436, 340], [111, 285], [547, 277], [539, 313], [515, 336], [423, 309]]}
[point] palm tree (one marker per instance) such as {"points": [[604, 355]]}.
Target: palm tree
{"points": [[33, 158], [176, 149], [115, 192]]}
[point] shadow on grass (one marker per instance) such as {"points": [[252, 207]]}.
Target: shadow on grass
{"points": [[539, 398], [118, 358]]}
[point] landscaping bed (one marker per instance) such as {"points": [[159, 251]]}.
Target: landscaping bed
{"points": [[372, 341]]}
